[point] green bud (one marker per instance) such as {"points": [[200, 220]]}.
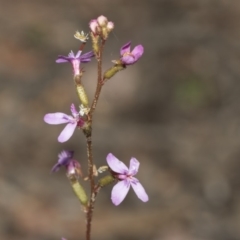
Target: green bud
{"points": [[79, 191], [106, 180], [82, 95], [112, 71]]}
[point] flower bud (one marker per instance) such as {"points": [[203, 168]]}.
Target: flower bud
{"points": [[112, 71], [81, 91], [102, 21], [82, 95], [110, 26], [94, 26], [79, 191]]}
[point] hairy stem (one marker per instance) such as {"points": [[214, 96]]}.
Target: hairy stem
{"points": [[89, 145], [92, 184], [99, 80]]}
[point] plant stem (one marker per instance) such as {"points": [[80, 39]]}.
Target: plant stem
{"points": [[89, 146], [99, 80], [92, 184]]}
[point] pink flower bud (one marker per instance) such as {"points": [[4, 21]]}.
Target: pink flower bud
{"points": [[110, 26], [94, 26], [102, 21]]}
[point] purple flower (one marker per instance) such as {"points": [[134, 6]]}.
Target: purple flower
{"points": [[128, 57], [126, 179], [72, 122], [65, 158], [76, 60]]}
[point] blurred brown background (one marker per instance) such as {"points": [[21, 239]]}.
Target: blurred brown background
{"points": [[177, 111]]}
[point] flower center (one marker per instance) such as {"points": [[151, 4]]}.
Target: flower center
{"points": [[128, 54]]}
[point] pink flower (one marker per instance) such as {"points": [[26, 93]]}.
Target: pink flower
{"points": [[72, 122], [126, 179], [130, 57]]}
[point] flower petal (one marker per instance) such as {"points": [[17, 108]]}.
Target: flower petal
{"points": [[139, 190], [120, 191], [137, 52], [64, 157], [134, 166], [128, 59], [71, 55], [63, 59], [78, 54], [57, 118], [67, 132], [116, 165], [74, 110], [56, 167], [125, 48], [88, 55]]}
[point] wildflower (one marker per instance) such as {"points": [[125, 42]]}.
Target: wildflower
{"points": [[72, 122], [128, 57], [101, 27], [126, 179], [75, 60], [63, 160]]}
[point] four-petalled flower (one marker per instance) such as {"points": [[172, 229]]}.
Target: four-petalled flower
{"points": [[126, 179], [75, 60], [72, 122], [130, 57]]}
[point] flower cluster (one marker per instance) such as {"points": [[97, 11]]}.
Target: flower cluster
{"points": [[117, 170], [101, 26], [123, 174]]}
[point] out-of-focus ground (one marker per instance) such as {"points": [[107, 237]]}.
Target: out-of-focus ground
{"points": [[177, 111]]}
